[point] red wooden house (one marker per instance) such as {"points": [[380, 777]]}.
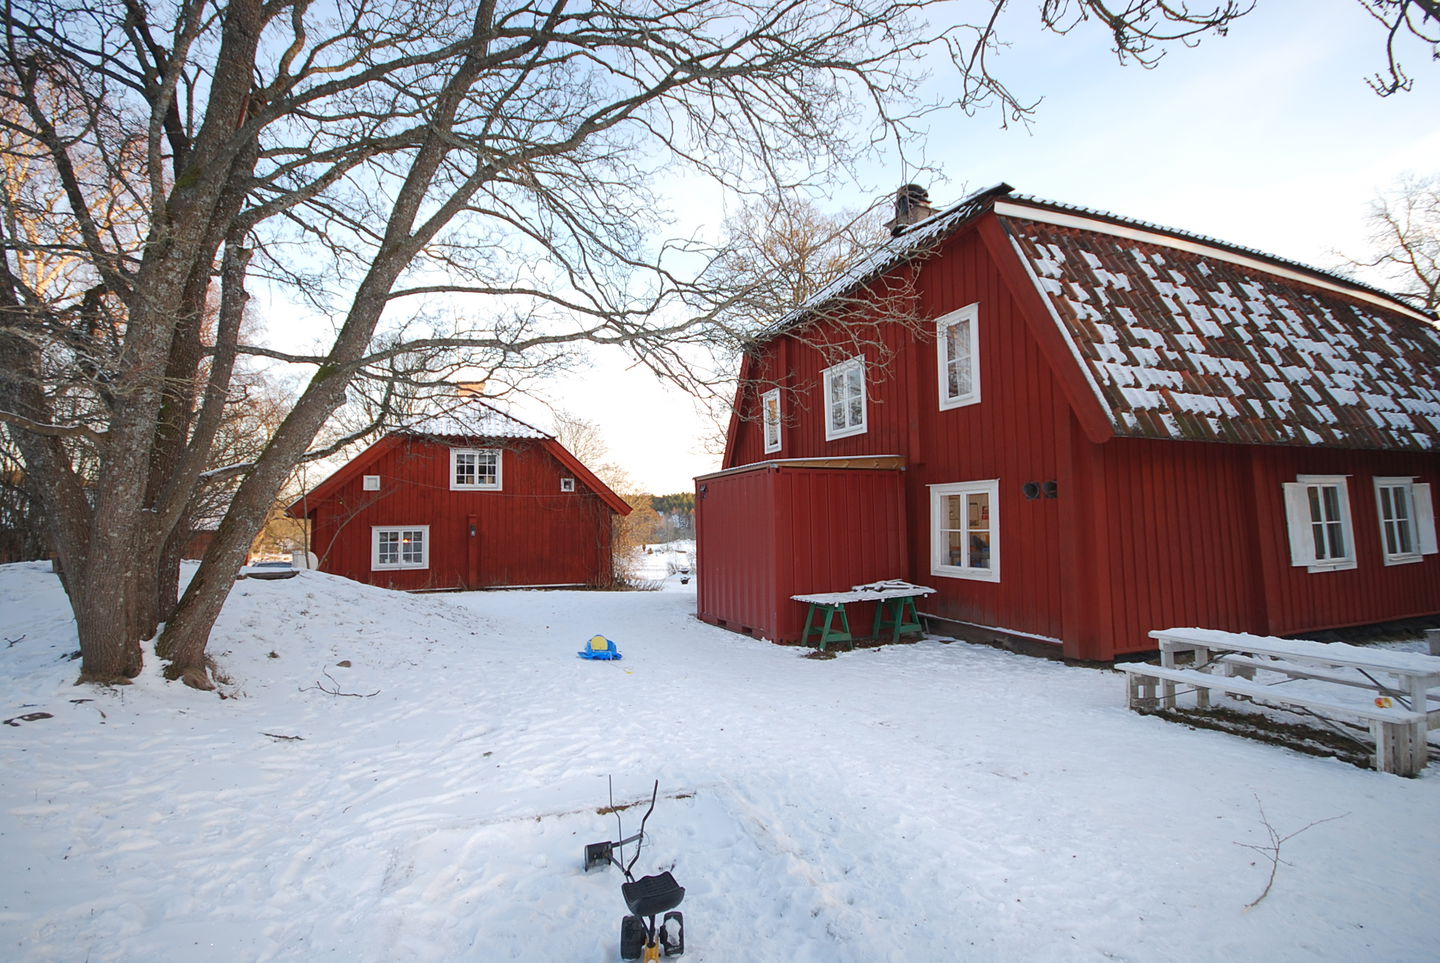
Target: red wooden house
{"points": [[470, 499], [1101, 427]]}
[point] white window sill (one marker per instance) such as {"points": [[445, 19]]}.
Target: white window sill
{"points": [[1403, 559], [971, 574], [831, 435], [964, 402], [377, 567], [1342, 565]]}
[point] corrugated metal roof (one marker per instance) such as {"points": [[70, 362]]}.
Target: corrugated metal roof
{"points": [[472, 418], [1185, 346]]}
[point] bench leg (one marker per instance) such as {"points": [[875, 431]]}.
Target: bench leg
{"points": [[1400, 748], [1142, 693]]}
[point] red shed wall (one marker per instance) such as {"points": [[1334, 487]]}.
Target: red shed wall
{"points": [[765, 535], [529, 533]]}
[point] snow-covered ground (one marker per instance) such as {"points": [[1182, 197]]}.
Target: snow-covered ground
{"points": [[928, 802]]}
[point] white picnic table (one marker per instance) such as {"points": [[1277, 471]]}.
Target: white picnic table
{"points": [[1394, 692]]}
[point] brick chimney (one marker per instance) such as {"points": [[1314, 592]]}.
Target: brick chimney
{"points": [[912, 205]]}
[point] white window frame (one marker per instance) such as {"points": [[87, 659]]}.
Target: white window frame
{"points": [[853, 371], [945, 327], [1416, 518], [401, 562], [770, 420], [567, 484], [370, 483], [456, 454], [1302, 523], [939, 552]]}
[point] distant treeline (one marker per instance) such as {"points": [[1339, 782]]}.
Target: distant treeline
{"points": [[665, 504]]}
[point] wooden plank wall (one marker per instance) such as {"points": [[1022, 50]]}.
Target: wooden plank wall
{"points": [[1297, 600], [529, 533], [765, 535], [1011, 435]]}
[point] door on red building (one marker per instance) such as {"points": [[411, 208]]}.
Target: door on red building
{"points": [[472, 552]]}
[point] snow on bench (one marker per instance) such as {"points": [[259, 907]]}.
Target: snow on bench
{"points": [[1390, 691], [896, 611]]}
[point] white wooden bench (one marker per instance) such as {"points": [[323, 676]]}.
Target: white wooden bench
{"points": [[1391, 692]]}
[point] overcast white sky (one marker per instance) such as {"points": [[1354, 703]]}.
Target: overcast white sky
{"points": [[1267, 137]]}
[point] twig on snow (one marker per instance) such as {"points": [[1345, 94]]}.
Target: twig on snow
{"points": [[281, 737], [10, 642], [1272, 851], [336, 690]]}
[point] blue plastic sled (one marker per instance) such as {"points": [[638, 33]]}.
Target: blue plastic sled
{"points": [[599, 647]]}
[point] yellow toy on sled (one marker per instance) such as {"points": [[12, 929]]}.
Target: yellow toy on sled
{"points": [[599, 647]]}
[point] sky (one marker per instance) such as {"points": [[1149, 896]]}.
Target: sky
{"points": [[1267, 137]]}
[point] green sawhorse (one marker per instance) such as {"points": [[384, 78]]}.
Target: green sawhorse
{"points": [[897, 616], [828, 632]]}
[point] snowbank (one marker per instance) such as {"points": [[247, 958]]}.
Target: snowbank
{"points": [[431, 800]]}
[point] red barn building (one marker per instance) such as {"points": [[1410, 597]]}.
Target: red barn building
{"points": [[470, 499], [1083, 428]]}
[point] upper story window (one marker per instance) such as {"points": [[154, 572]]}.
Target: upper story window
{"points": [[475, 468], [1407, 520], [1317, 513], [958, 357], [567, 484], [844, 386], [400, 547], [964, 530], [770, 409]]}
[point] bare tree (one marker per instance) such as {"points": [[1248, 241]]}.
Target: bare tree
{"points": [[1405, 240], [1417, 19], [454, 185]]}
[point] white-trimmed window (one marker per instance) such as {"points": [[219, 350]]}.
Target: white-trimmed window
{"points": [[844, 386], [475, 468], [1407, 520], [965, 530], [957, 349], [370, 483], [400, 546], [567, 484], [1317, 513], [770, 411]]}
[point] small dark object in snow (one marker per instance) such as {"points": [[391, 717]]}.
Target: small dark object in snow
{"points": [[273, 654], [278, 737], [10, 642], [343, 663], [28, 717]]}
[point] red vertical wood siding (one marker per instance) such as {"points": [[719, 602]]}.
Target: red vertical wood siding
{"points": [[528, 533], [765, 535], [1010, 435], [1144, 534], [1297, 600]]}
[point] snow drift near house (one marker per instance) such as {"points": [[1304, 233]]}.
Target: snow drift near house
{"points": [[929, 802]]}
